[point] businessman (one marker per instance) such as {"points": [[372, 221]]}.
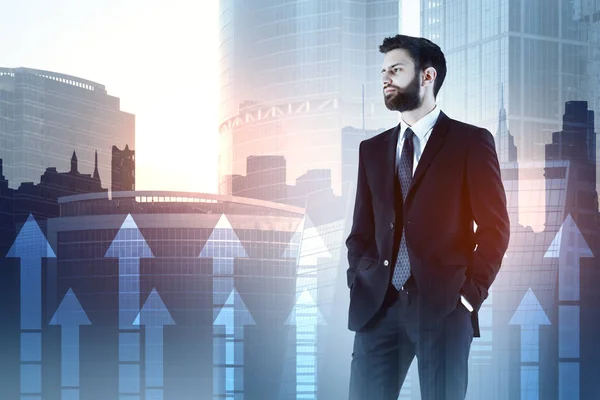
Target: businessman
{"points": [[418, 270]]}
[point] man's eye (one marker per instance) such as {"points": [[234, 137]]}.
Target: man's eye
{"points": [[396, 69]]}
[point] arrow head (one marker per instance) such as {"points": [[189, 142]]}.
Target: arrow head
{"points": [[70, 312], [129, 242], [311, 245], [560, 243], [234, 312], [154, 312], [223, 242], [305, 312], [529, 312], [31, 242]]}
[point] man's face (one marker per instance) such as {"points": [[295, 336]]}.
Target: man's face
{"points": [[401, 85]]}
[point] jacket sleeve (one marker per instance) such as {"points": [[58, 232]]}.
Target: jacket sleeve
{"points": [[488, 205], [362, 232]]}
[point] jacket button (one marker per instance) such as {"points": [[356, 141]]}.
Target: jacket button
{"points": [[391, 225], [386, 263]]}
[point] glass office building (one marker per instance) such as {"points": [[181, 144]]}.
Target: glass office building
{"points": [[546, 262], [544, 53], [45, 116], [293, 74]]}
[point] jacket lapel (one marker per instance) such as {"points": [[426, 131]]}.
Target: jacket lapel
{"points": [[434, 144], [388, 165]]}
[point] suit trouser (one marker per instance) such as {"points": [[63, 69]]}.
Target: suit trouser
{"points": [[385, 348]]}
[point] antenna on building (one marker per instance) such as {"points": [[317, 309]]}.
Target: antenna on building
{"points": [[96, 173]]}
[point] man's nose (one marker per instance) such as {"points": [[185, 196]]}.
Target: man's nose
{"points": [[385, 79]]}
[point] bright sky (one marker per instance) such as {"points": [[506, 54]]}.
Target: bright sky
{"points": [[159, 58], [410, 19]]}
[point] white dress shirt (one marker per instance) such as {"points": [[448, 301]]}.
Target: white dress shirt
{"points": [[422, 131]]}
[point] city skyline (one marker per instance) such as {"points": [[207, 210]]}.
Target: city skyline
{"points": [[104, 38], [160, 70], [164, 276]]}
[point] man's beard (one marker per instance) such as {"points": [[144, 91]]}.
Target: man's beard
{"points": [[406, 99]]}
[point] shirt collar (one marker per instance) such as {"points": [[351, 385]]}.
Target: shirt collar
{"points": [[422, 126]]}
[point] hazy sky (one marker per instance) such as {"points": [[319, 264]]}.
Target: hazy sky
{"points": [[160, 58]]}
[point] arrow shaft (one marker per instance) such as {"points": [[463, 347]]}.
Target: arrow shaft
{"points": [[530, 382], [568, 347], [568, 278], [306, 334], [234, 372], [530, 343], [69, 394], [228, 368], [129, 336], [69, 356], [129, 291], [31, 293], [31, 363], [568, 380], [223, 351], [224, 368], [306, 352], [568, 331], [229, 364], [129, 363], [154, 356], [222, 282], [31, 319], [306, 328]]}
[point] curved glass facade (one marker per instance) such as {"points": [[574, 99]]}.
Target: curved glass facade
{"points": [[189, 264]]}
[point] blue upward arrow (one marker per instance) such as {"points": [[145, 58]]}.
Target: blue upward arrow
{"points": [[70, 315], [569, 246], [529, 315], [129, 246], [223, 242], [229, 367], [307, 247], [30, 246], [568, 242], [306, 316], [223, 247], [154, 315], [234, 314]]}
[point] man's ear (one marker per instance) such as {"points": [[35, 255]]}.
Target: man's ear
{"points": [[429, 75]]}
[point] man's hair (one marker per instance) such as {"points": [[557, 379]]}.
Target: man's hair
{"points": [[423, 52]]}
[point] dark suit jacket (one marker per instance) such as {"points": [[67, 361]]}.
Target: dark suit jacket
{"points": [[457, 181]]}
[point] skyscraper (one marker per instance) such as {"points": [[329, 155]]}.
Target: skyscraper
{"points": [[546, 52], [293, 74], [45, 116]]}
